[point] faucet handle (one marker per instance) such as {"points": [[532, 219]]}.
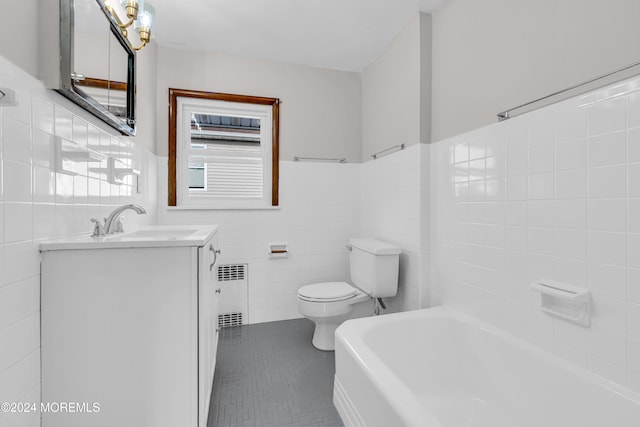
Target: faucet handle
{"points": [[119, 228], [98, 229]]}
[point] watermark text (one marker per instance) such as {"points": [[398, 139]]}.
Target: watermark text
{"points": [[51, 407]]}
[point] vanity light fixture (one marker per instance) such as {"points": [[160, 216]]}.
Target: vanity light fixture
{"points": [[139, 14]]}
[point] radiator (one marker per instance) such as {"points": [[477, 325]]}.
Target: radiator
{"points": [[233, 303]]}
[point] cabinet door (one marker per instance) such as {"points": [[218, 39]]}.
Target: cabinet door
{"points": [[208, 294], [125, 337]]}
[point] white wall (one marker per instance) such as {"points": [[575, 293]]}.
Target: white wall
{"points": [[492, 55], [553, 194], [19, 34], [319, 211], [320, 114], [392, 212], [396, 108], [396, 91], [37, 203], [146, 98]]}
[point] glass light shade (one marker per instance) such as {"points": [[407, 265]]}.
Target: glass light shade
{"points": [[145, 17]]}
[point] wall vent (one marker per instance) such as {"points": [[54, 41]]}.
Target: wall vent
{"points": [[231, 272], [233, 302], [229, 319]]}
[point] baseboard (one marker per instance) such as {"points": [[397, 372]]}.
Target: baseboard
{"points": [[346, 409]]}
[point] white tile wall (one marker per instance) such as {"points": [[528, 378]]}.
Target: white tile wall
{"points": [[319, 211], [570, 213], [393, 210], [37, 202]]}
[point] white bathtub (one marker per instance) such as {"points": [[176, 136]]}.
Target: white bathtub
{"points": [[437, 367]]}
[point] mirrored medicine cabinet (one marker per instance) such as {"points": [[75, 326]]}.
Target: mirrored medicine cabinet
{"points": [[97, 64]]}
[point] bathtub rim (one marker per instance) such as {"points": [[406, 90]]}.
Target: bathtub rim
{"points": [[350, 336]]}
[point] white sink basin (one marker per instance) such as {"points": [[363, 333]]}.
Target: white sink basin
{"points": [[145, 237], [157, 234]]}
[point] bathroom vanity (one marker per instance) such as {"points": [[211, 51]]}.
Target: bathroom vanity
{"points": [[129, 327]]}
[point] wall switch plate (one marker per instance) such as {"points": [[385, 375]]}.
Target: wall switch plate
{"points": [[7, 97]]}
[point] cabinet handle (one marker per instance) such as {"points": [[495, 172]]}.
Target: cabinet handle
{"points": [[215, 255]]}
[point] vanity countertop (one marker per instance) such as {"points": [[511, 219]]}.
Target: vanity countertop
{"points": [[142, 237]]}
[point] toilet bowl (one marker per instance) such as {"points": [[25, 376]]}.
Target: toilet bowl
{"points": [[374, 271], [328, 304]]}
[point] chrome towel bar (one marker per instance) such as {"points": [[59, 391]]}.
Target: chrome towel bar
{"points": [[318, 159], [578, 89], [389, 150]]}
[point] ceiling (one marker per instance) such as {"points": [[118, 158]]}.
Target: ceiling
{"points": [[336, 34]]}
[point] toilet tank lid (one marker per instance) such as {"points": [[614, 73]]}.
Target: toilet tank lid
{"points": [[375, 247]]}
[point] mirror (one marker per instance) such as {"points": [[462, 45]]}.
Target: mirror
{"points": [[97, 63]]}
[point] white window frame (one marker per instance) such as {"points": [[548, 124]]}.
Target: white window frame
{"points": [[185, 107]]}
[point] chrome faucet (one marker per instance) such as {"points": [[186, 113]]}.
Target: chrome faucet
{"points": [[113, 223]]}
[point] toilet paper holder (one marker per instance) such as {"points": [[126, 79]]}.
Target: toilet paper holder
{"points": [[278, 250]]}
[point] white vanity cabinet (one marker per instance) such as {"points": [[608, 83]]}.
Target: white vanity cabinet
{"points": [[129, 330]]}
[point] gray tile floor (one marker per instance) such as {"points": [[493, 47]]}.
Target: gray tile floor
{"points": [[269, 375]]}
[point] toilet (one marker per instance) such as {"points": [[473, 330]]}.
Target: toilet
{"points": [[374, 273]]}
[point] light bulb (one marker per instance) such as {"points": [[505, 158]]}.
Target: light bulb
{"points": [[144, 23], [145, 18]]}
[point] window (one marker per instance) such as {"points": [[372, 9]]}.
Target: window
{"points": [[223, 150], [196, 178]]}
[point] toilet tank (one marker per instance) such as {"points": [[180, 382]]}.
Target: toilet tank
{"points": [[374, 266]]}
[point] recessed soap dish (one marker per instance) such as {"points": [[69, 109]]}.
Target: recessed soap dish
{"points": [[568, 302]]}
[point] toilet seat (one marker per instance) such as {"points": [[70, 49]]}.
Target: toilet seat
{"points": [[327, 292]]}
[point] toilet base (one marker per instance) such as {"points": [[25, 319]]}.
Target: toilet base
{"points": [[327, 316], [324, 336]]}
